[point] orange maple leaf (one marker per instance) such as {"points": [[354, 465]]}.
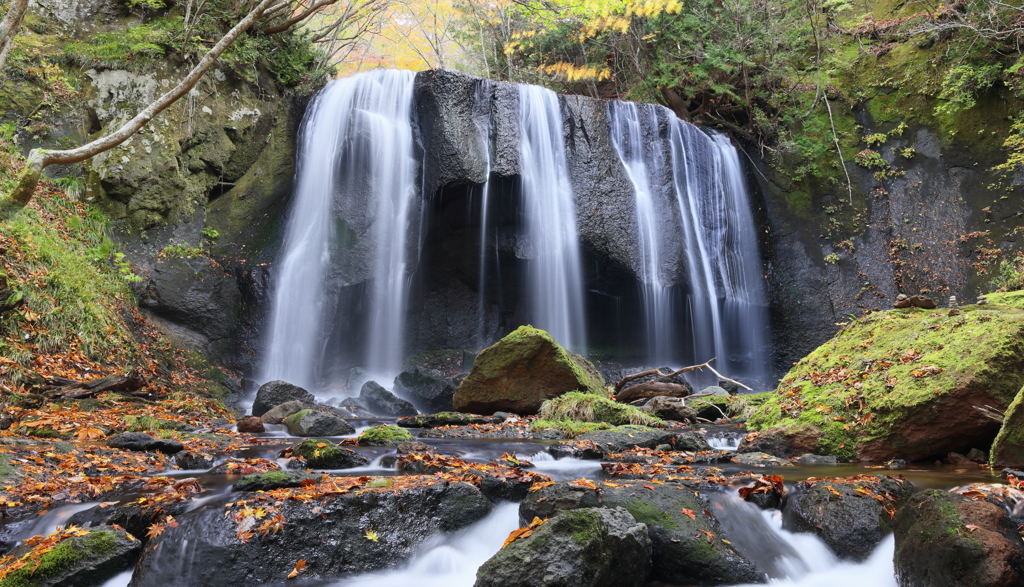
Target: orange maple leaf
{"points": [[299, 568]]}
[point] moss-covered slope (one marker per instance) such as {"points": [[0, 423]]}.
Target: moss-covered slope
{"points": [[903, 383]]}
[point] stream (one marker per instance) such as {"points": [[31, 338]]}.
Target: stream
{"points": [[792, 559]]}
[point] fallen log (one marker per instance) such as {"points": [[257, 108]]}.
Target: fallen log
{"points": [[652, 389], [64, 388], [622, 382]]}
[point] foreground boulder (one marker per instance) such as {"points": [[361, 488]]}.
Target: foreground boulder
{"points": [[584, 547], [947, 540], [82, 558], [275, 393], [335, 530], [520, 371], [685, 549], [314, 423], [903, 384], [384, 403], [384, 435], [427, 389], [850, 514]]}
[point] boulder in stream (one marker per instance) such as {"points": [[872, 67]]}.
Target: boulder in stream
{"points": [[336, 531], [384, 435], [88, 559], [685, 549], [315, 423], [384, 403], [275, 393], [323, 454], [278, 413], [948, 540], [272, 480], [142, 442], [595, 547], [427, 389], [850, 514], [520, 371], [251, 425], [445, 419], [622, 438]]}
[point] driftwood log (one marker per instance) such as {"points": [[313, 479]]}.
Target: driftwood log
{"points": [[654, 388], [63, 388]]}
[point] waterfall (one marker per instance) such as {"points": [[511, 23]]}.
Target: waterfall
{"points": [[355, 159], [628, 122], [555, 273], [482, 120], [725, 309], [727, 305]]}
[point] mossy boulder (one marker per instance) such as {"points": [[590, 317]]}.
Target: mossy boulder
{"points": [[83, 561], [946, 540], [593, 407], [323, 454], [272, 480], [517, 373], [684, 550], [1008, 448], [384, 435], [443, 419], [586, 547], [903, 383], [316, 423]]}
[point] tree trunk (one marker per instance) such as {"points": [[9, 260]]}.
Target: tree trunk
{"points": [[9, 28], [39, 159]]}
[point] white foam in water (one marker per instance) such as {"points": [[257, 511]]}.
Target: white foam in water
{"points": [[724, 442], [818, 567], [564, 468], [451, 561], [121, 580]]}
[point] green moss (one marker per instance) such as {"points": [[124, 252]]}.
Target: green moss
{"points": [[68, 553], [384, 434], [295, 418], [571, 428], [890, 358], [309, 450], [519, 345], [593, 407], [148, 423], [269, 477], [648, 513], [583, 525]]}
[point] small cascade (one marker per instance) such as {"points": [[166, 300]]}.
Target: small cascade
{"points": [[628, 122], [727, 308], [355, 148], [482, 120], [555, 275]]}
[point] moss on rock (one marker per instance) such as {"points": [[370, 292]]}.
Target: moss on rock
{"points": [[901, 383], [384, 435], [594, 407]]}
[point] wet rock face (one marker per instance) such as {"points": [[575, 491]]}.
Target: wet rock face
{"points": [[851, 515], [946, 540], [384, 403], [330, 534], [142, 442], [314, 423], [319, 454], [428, 390], [682, 552], [250, 425], [520, 371], [622, 438], [585, 547], [781, 444], [275, 393]]}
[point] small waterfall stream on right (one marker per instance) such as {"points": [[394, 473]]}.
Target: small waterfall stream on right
{"points": [[724, 314]]}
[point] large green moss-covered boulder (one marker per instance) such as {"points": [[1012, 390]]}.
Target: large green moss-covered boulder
{"points": [[520, 371], [904, 383], [1008, 448], [88, 558]]}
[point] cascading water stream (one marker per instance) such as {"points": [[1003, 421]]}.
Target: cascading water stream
{"points": [[356, 143], [482, 120], [628, 121], [555, 274], [727, 306]]}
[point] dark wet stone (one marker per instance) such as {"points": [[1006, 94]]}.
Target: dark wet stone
{"points": [[142, 442], [275, 393]]}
